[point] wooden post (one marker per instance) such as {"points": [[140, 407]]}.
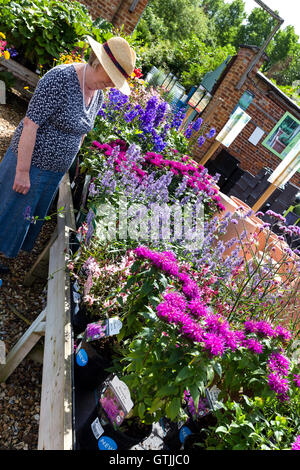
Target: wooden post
{"points": [[264, 197], [55, 429], [210, 152], [277, 182]]}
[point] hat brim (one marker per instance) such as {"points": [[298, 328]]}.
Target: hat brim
{"points": [[112, 71]]}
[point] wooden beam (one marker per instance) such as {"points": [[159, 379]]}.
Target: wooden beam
{"points": [[20, 71], [55, 430], [23, 347], [213, 148]]}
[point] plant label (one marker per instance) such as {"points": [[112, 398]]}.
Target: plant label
{"points": [[101, 329], [97, 428], [116, 401], [76, 297], [114, 326], [212, 397]]}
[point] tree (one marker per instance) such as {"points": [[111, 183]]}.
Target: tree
{"points": [[173, 20], [258, 27], [226, 18], [282, 47]]}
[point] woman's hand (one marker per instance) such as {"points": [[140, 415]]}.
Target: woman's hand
{"points": [[22, 182], [25, 149]]}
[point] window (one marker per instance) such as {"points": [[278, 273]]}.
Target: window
{"points": [[245, 101], [285, 135]]}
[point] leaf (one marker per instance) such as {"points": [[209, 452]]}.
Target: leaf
{"points": [[141, 410], [157, 403], [184, 373], [167, 390], [218, 368], [173, 408], [221, 429]]}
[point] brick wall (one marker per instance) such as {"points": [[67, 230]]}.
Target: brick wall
{"points": [[116, 11], [265, 111]]}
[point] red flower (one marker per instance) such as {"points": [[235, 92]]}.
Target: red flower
{"points": [[138, 73]]}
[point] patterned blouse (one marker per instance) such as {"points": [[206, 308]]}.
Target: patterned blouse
{"points": [[57, 106]]}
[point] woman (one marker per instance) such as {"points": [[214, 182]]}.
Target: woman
{"points": [[61, 112]]}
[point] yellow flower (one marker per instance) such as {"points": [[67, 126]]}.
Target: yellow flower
{"points": [[2, 35], [131, 85], [26, 87], [6, 55]]}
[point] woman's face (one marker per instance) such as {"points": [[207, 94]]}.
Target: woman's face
{"points": [[97, 79]]}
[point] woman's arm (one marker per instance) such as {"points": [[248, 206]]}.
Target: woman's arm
{"points": [[25, 150]]}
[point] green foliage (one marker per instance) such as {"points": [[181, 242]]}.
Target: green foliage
{"points": [[175, 42], [41, 29], [227, 19], [158, 21], [189, 60], [255, 424]]}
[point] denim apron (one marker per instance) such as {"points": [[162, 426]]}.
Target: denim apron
{"points": [[17, 231]]}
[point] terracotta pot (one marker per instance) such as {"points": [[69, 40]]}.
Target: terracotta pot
{"points": [[235, 231], [228, 203], [240, 203]]}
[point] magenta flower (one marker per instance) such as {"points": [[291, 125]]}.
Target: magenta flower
{"points": [[279, 364], [197, 308], [214, 344], [283, 334], [296, 379], [253, 345], [279, 385], [296, 444]]}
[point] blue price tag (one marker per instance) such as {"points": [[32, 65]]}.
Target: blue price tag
{"points": [[106, 443], [82, 358], [184, 433]]}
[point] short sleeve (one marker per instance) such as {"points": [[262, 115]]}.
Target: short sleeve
{"points": [[47, 97]]}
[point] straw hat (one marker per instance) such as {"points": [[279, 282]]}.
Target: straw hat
{"points": [[118, 60]]}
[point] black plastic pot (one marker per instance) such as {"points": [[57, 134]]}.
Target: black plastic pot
{"points": [[176, 434], [95, 434], [89, 367], [81, 319], [193, 440]]}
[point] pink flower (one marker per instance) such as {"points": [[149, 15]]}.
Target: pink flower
{"points": [[296, 444]]}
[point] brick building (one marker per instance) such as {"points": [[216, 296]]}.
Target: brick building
{"points": [[117, 12], [268, 106]]}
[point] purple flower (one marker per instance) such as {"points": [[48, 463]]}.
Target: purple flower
{"points": [[27, 213], [197, 124], [211, 133], [296, 444], [201, 140], [279, 364], [95, 330], [279, 385], [110, 407], [283, 334], [160, 113], [253, 345], [178, 119], [296, 379], [188, 133], [214, 344], [197, 308]]}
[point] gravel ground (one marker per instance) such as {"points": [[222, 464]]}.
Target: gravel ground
{"points": [[19, 306]]}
